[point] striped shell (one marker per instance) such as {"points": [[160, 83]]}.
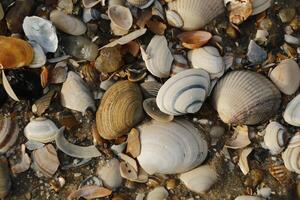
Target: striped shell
{"points": [[8, 133], [245, 97], [170, 148], [290, 114], [280, 173], [291, 155], [275, 137], [184, 93], [197, 13], [120, 109], [121, 19], [5, 181], [141, 3]]}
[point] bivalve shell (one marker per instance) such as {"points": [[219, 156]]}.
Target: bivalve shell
{"points": [[259, 6], [90, 3], [121, 19], [194, 39], [5, 181], [150, 88], [275, 137], [290, 114], [174, 19], [159, 193], [292, 153], [39, 57], [170, 148], [8, 133], [150, 107], [110, 174], [245, 97], [141, 3], [248, 197]]}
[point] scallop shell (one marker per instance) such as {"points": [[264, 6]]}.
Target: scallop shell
{"points": [[290, 114], [150, 107], [41, 31], [245, 97], [15, 52], [67, 23], [209, 59], [259, 6], [184, 93], [170, 148], [194, 39], [39, 57], [195, 13], [291, 155], [174, 19], [5, 181], [120, 109], [121, 19], [199, 180], [158, 57], [150, 88], [75, 94], [158, 193], [286, 76], [141, 3], [275, 137], [41, 130], [248, 197], [8, 133]]}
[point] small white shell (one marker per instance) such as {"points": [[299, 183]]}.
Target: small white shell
{"points": [[248, 197], [259, 6], [141, 3], [41, 31], [41, 130], [291, 113], [121, 19], [110, 174], [159, 193], [291, 155], [174, 19], [209, 59], [39, 57], [275, 137], [199, 180]]}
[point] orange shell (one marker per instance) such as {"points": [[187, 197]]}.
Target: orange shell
{"points": [[194, 39], [15, 52]]}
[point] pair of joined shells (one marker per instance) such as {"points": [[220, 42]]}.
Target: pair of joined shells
{"points": [[170, 148], [121, 19], [8, 133], [275, 137], [290, 114], [291, 155], [245, 97]]}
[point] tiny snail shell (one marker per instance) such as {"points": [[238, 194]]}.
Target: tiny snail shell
{"points": [[8, 133], [275, 137], [290, 114], [291, 155], [5, 181]]}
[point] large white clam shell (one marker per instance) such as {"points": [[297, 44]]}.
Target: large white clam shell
{"points": [[41, 130], [291, 155], [292, 112], [275, 137], [209, 59], [184, 93], [199, 180], [259, 6], [170, 148], [121, 19], [196, 13], [41, 31], [248, 197], [75, 94], [158, 57], [141, 3], [39, 57]]}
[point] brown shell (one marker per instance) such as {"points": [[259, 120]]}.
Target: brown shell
{"points": [[5, 182], [281, 173], [194, 39], [8, 133], [15, 52], [109, 60], [120, 109]]}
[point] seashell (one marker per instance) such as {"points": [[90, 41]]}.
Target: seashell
{"points": [[180, 64], [184, 93], [75, 94], [194, 39], [170, 148], [259, 6], [247, 197], [59, 73], [43, 103], [286, 76], [159, 193], [121, 19], [41, 31], [116, 2], [90, 14], [7, 87], [158, 57], [133, 143], [199, 180], [209, 59], [105, 64], [90, 192], [151, 108], [142, 4], [292, 39], [240, 139], [174, 19], [39, 57], [1, 12], [8, 133], [128, 172], [45, 160], [91, 76], [110, 174], [256, 54], [120, 110], [291, 155], [90, 3], [41, 130], [5, 180], [66, 6], [257, 98], [243, 160], [275, 137], [15, 52], [290, 114], [24, 164], [281, 174], [196, 14], [67, 23], [150, 88]]}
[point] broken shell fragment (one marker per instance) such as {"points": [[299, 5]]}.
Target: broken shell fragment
{"points": [[159, 193], [291, 155], [275, 137], [105, 63], [194, 39], [290, 114], [24, 165], [243, 160], [39, 57], [5, 180], [150, 88], [133, 143], [8, 133], [151, 108], [142, 4], [110, 174], [121, 19], [180, 64], [240, 139]]}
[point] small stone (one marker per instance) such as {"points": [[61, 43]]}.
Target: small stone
{"points": [[255, 177], [171, 184], [256, 54], [287, 14]]}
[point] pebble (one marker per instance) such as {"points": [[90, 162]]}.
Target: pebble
{"points": [[256, 54]]}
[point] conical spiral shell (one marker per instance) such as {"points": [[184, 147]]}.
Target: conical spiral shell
{"points": [[197, 13], [291, 155], [121, 108], [245, 97], [170, 148]]}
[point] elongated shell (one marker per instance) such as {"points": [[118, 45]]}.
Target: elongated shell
{"points": [[75, 94], [8, 133], [170, 148], [291, 155], [141, 3], [15, 52], [199, 180], [290, 114], [67, 23], [158, 57], [39, 57], [184, 93], [120, 109], [41, 130], [5, 181], [197, 13], [259, 6], [275, 137], [245, 97]]}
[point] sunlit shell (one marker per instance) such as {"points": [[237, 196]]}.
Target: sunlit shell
{"points": [[121, 19], [90, 3], [5, 181], [8, 133], [184, 93], [15, 52], [41, 31], [39, 57], [141, 3], [110, 174], [275, 137], [41, 130], [291, 155], [120, 110], [209, 59], [194, 13], [174, 19], [194, 39], [67, 23], [170, 148], [158, 57], [248, 197], [150, 88], [291, 113], [259, 6], [245, 97], [150, 107]]}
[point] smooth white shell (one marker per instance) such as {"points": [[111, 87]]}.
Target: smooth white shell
{"points": [[174, 19], [159, 193], [275, 137], [39, 57], [292, 153], [292, 112], [248, 197], [121, 19], [170, 148], [110, 174]]}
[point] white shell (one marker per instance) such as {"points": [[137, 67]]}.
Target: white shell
{"points": [[248, 197], [39, 57], [90, 3], [41, 130], [41, 31], [158, 57], [174, 19], [170, 148], [180, 64], [110, 174], [209, 59], [159, 193], [292, 153], [75, 94], [275, 137], [196, 13], [141, 3], [286, 76], [292, 39], [184, 93], [67, 23], [199, 180], [259, 6], [121, 19], [292, 112]]}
